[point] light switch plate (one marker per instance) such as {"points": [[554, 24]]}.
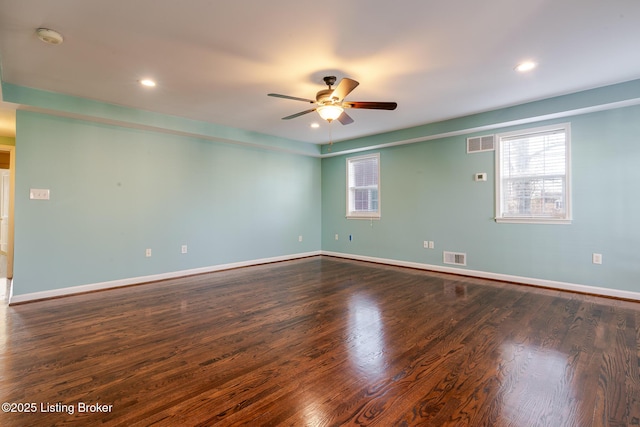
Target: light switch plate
{"points": [[39, 194]]}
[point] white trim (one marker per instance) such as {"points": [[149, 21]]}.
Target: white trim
{"points": [[500, 125], [372, 217], [550, 284], [567, 219], [54, 293], [167, 130], [363, 214], [516, 220], [202, 135]]}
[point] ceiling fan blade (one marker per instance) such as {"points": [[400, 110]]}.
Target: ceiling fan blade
{"points": [[345, 119], [370, 105], [277, 95], [344, 88], [301, 113]]}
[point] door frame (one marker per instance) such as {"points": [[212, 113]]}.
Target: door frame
{"points": [[12, 182]]}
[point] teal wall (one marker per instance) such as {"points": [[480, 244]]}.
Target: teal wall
{"points": [[122, 181], [95, 111], [116, 191], [428, 193]]}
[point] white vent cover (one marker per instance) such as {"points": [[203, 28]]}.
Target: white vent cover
{"points": [[456, 258], [480, 143]]}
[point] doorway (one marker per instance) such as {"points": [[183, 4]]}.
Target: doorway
{"points": [[7, 178]]}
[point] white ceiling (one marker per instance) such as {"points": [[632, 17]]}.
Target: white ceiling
{"points": [[217, 60]]}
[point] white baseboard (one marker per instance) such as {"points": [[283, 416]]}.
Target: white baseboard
{"points": [[55, 293], [551, 284]]}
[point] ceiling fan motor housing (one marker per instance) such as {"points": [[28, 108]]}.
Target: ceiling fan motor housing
{"points": [[324, 96]]}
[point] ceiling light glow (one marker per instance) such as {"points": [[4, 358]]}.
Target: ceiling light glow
{"points": [[147, 83], [330, 112], [315, 125], [523, 67]]}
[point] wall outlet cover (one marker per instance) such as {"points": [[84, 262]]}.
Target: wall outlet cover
{"points": [[39, 194]]}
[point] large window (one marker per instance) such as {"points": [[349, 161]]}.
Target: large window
{"points": [[532, 175], [363, 186]]}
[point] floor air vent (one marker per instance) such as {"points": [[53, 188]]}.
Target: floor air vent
{"points": [[480, 143], [455, 258]]}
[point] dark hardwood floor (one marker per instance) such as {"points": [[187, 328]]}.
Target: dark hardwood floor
{"points": [[322, 342]]}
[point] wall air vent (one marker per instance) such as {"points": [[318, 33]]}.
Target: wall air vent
{"points": [[455, 258], [478, 144]]}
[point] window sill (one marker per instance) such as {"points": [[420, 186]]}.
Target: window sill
{"points": [[371, 217], [550, 221]]}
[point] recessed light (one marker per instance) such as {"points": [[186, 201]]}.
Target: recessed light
{"points": [[523, 67], [315, 125], [147, 83], [49, 36]]}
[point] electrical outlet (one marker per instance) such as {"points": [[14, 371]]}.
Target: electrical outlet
{"points": [[596, 258], [299, 238], [431, 245], [183, 249], [336, 237], [425, 244], [147, 253]]}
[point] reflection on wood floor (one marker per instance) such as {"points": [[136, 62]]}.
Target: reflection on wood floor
{"points": [[323, 341]]}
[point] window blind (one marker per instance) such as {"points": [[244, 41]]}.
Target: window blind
{"points": [[363, 195], [533, 174]]}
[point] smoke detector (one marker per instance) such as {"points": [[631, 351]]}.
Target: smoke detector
{"points": [[49, 36]]}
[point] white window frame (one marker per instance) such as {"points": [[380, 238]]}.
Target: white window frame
{"points": [[351, 212], [534, 219]]}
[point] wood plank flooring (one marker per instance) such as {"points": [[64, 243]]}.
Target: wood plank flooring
{"points": [[322, 342]]}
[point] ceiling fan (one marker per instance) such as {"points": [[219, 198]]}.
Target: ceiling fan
{"points": [[331, 104]]}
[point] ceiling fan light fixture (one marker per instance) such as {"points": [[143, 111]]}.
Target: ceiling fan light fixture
{"points": [[330, 112], [330, 102]]}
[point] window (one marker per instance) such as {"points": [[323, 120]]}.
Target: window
{"points": [[532, 175], [363, 186]]}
